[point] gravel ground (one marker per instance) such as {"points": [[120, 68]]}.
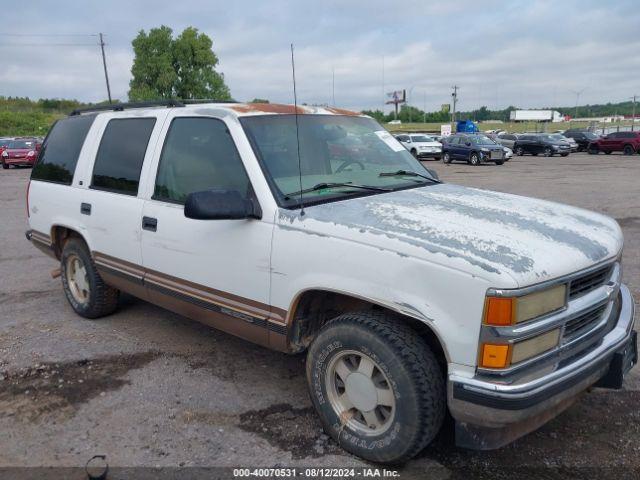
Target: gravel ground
{"points": [[149, 388]]}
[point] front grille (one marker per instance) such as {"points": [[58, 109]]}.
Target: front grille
{"points": [[582, 324], [588, 282], [497, 154]]}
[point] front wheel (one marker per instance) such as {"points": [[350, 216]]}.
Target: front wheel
{"points": [[593, 150], [376, 385], [500, 162], [547, 152], [5, 166], [474, 159], [564, 154], [83, 286], [414, 153], [446, 158], [519, 151]]}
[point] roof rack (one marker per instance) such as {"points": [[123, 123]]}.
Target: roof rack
{"points": [[119, 107]]}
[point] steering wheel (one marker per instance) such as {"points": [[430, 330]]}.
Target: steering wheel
{"points": [[346, 163]]}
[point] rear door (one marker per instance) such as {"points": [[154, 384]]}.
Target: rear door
{"points": [[112, 205], [611, 142], [214, 271]]}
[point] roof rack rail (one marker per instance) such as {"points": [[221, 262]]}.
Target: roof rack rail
{"points": [[118, 107], [192, 101]]}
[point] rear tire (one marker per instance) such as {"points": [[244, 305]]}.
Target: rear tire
{"points": [[628, 150], [83, 286], [351, 397], [5, 166]]}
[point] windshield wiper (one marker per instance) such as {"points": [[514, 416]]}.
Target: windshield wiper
{"points": [[322, 186], [408, 173]]}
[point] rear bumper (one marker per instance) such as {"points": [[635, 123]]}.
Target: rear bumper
{"points": [[489, 414]]}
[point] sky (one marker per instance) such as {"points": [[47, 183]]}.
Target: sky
{"points": [[528, 54]]}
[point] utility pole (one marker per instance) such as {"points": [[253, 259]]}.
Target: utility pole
{"points": [[578, 93], [104, 64], [454, 96], [333, 85], [424, 111], [633, 115]]}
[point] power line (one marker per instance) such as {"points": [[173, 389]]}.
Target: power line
{"points": [[48, 34], [49, 44]]}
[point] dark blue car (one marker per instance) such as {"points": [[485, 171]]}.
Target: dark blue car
{"points": [[473, 149]]}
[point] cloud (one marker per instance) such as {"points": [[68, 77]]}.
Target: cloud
{"points": [[500, 53]]}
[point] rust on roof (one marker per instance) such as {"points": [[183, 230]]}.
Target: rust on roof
{"points": [[266, 108], [340, 111]]}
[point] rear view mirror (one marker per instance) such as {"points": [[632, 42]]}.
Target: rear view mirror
{"points": [[219, 205]]}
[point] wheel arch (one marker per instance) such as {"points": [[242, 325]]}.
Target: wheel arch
{"points": [[312, 308], [60, 234]]}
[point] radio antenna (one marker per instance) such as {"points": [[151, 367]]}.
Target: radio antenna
{"points": [[295, 107]]}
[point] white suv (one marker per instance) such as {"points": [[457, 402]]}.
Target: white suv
{"points": [[314, 229], [421, 146]]}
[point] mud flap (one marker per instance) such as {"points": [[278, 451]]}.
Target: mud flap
{"points": [[621, 363]]}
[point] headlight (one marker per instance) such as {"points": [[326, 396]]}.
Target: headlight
{"points": [[486, 150], [504, 355], [503, 311], [5, 154], [555, 147], [31, 153]]}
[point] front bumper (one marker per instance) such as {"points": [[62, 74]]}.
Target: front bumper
{"points": [[19, 162], [491, 414], [430, 154]]}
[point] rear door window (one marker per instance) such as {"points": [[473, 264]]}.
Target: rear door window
{"points": [[120, 155], [199, 154], [59, 152]]}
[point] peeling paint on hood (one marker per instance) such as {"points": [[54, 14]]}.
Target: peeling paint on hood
{"points": [[489, 234]]}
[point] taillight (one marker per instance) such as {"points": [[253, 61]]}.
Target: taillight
{"points": [[28, 188]]}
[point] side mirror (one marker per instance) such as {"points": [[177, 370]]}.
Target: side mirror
{"points": [[468, 144], [219, 205], [433, 173]]}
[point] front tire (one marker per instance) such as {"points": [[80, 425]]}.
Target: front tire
{"points": [[446, 158], [83, 286], [592, 150], [548, 152], [5, 166], [519, 151], [376, 386], [414, 153], [474, 159]]}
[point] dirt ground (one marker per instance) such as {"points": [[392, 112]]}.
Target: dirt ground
{"points": [[148, 388]]}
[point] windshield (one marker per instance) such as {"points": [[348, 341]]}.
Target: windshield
{"points": [[22, 144], [482, 140], [553, 138], [559, 136], [421, 138], [591, 136], [333, 149]]}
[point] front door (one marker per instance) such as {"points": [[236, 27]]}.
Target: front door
{"points": [[214, 271]]}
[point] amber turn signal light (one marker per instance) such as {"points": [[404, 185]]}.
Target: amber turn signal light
{"points": [[495, 356], [499, 311]]}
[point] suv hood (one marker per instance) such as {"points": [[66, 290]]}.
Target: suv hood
{"points": [[510, 240]]}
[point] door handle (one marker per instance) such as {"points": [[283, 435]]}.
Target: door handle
{"points": [[149, 223], [85, 208]]}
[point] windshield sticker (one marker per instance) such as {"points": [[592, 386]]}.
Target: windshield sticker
{"points": [[391, 142]]}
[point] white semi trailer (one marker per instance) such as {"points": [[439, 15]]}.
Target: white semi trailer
{"points": [[536, 116]]}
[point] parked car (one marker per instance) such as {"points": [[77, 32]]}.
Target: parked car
{"points": [[4, 141], [582, 137], [540, 143], [19, 152], [508, 153], [474, 149], [507, 139], [413, 299], [626, 142], [561, 138], [421, 146]]}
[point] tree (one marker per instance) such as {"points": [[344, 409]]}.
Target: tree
{"points": [[183, 67]]}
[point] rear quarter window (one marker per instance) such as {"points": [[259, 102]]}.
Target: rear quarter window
{"points": [[121, 154], [59, 153]]}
